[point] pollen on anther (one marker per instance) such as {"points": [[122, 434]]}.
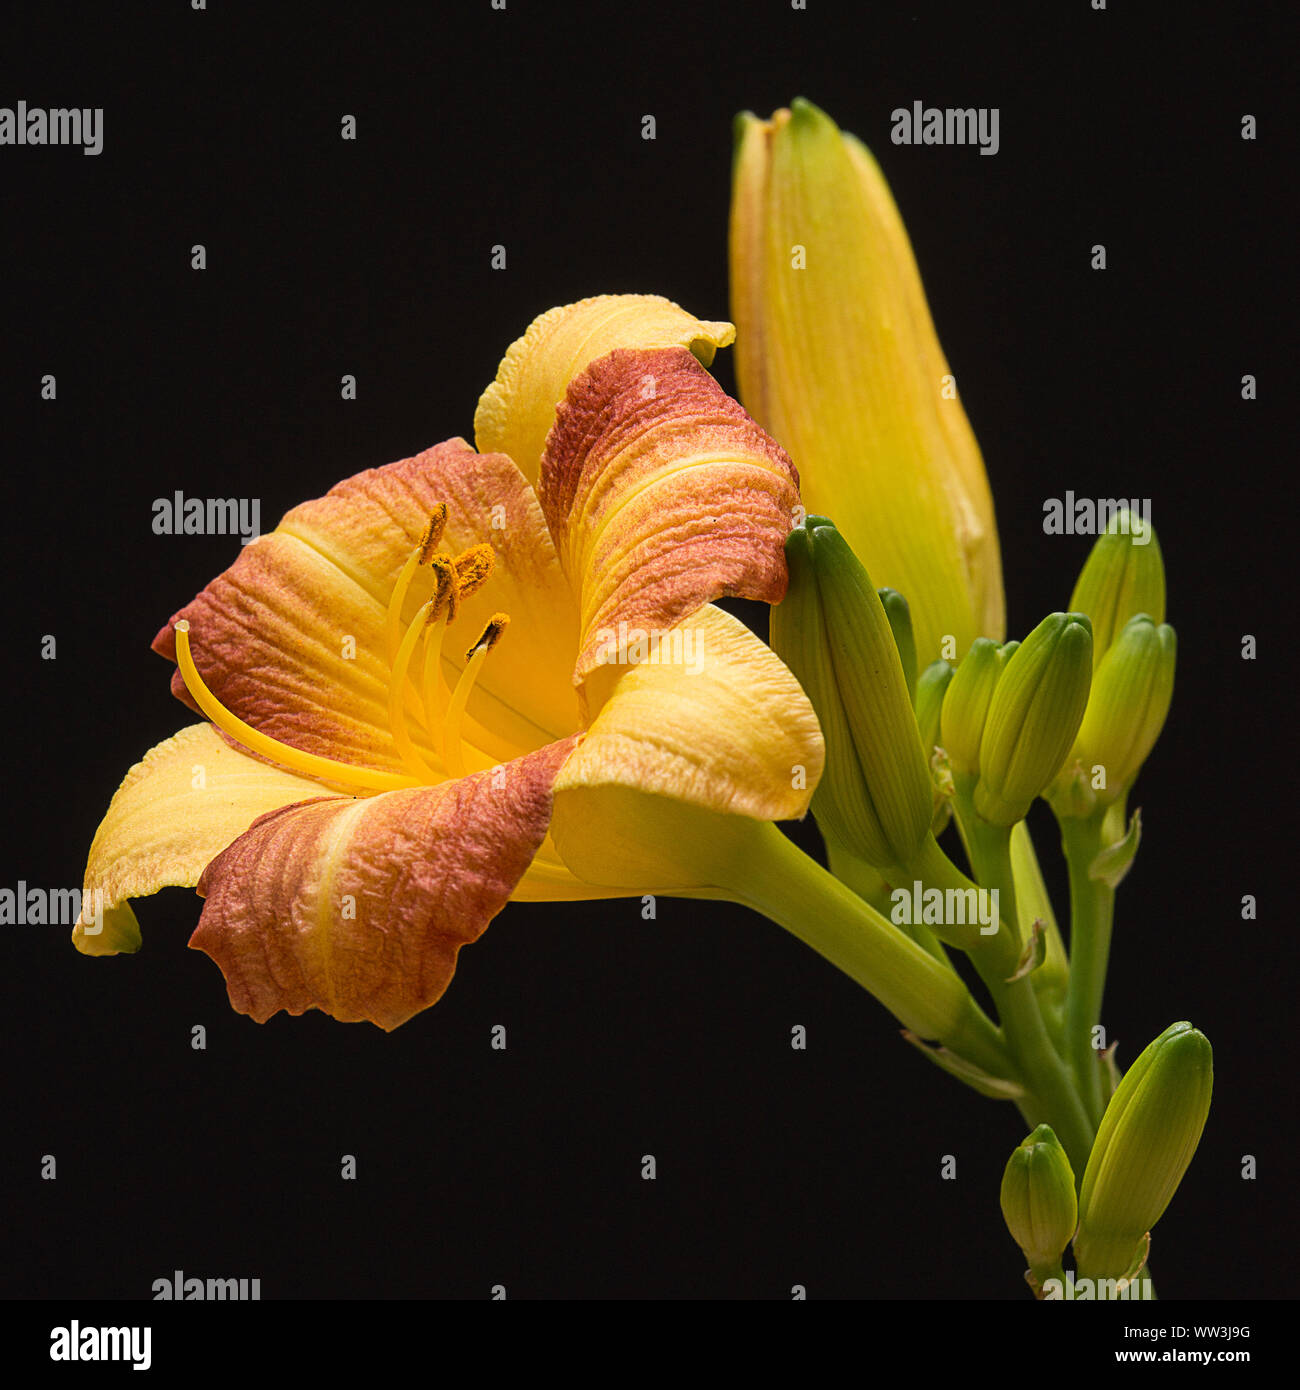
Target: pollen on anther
{"points": [[497, 624], [433, 533], [473, 566], [446, 590]]}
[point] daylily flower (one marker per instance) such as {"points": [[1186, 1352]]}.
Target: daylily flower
{"points": [[404, 673], [837, 356]]}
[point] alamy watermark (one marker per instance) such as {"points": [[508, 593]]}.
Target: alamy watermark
{"points": [[1095, 1290], [948, 125], [178, 1288], [954, 907], [635, 646], [77, 1343], [1088, 516], [179, 515], [40, 125], [52, 907]]}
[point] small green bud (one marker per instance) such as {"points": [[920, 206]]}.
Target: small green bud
{"points": [[1038, 1201], [900, 624], [1124, 575], [1131, 691], [874, 796], [966, 704], [1035, 712], [930, 688], [1145, 1143]]}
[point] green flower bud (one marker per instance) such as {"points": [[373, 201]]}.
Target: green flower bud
{"points": [[1124, 575], [930, 689], [1038, 1201], [1130, 696], [1146, 1140], [900, 624], [1035, 712], [966, 705], [832, 631]]}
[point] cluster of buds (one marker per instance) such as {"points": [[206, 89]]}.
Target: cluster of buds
{"points": [[1070, 713], [1147, 1139]]}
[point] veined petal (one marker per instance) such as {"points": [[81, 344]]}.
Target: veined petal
{"points": [[270, 634], [661, 494], [516, 412], [712, 718], [177, 809], [837, 356], [360, 907]]}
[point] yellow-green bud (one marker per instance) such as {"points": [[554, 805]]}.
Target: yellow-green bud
{"points": [[1124, 575], [1146, 1140], [930, 690], [966, 704], [1038, 1201], [1037, 706], [900, 624], [874, 796], [1131, 691]]}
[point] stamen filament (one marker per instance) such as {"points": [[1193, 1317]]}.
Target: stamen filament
{"points": [[453, 752], [433, 684], [421, 555], [411, 755], [309, 764], [396, 601]]}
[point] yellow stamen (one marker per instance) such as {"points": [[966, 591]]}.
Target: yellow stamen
{"points": [[309, 764], [433, 686], [421, 555], [411, 755], [453, 753]]}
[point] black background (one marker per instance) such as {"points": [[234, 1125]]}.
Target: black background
{"points": [[670, 1037]]}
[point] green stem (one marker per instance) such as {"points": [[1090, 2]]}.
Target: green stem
{"points": [[1092, 911], [783, 883], [1054, 1096], [868, 883]]}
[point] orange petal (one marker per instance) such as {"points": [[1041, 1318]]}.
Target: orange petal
{"points": [[359, 907], [292, 636], [662, 495], [515, 413]]}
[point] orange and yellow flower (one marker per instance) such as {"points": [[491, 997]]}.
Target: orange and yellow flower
{"points": [[420, 694]]}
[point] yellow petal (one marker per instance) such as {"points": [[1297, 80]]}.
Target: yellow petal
{"points": [[662, 495], [516, 412], [176, 810], [712, 720], [837, 356]]}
